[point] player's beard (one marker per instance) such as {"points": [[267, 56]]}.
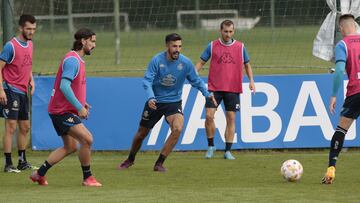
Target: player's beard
{"points": [[26, 36], [227, 39], [87, 51], [175, 55]]}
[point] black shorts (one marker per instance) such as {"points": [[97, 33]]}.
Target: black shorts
{"points": [[351, 107], [231, 100], [62, 123], [150, 116], [17, 107]]}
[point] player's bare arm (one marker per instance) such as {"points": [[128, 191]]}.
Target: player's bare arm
{"points": [[3, 98], [199, 65], [32, 84], [249, 73], [332, 104]]}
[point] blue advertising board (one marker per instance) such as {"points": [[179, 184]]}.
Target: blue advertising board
{"points": [[287, 111]]}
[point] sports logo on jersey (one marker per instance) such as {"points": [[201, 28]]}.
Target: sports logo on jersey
{"points": [[180, 66], [145, 115], [161, 65], [168, 80], [237, 107], [27, 60], [226, 58]]}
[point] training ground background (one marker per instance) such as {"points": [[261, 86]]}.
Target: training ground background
{"points": [[253, 177]]}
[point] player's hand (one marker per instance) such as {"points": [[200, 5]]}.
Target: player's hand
{"points": [[3, 98], [87, 106], [212, 98], [332, 105], [252, 86], [32, 87], [83, 113], [152, 103]]}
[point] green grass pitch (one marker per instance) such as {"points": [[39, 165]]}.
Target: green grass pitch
{"points": [[252, 177]]}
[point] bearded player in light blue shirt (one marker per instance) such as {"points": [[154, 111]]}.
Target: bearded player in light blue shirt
{"points": [[163, 83]]}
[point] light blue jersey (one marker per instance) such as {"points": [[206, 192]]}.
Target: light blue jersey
{"points": [[340, 62], [70, 68], [340, 52], [164, 79]]}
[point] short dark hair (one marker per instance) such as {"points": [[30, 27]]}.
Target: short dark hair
{"points": [[82, 33], [227, 23], [346, 17], [26, 18], [172, 37]]}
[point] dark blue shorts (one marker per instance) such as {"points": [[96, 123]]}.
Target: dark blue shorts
{"points": [[351, 107], [62, 123], [231, 100], [150, 116], [17, 107]]}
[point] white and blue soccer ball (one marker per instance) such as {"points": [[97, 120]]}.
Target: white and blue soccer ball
{"points": [[291, 170]]}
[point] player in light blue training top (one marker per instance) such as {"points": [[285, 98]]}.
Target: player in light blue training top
{"points": [[163, 83]]}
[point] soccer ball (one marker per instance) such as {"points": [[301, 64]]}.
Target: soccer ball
{"points": [[291, 170]]}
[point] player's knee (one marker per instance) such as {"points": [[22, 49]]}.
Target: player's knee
{"points": [[209, 118], [71, 149], [89, 141], [24, 129], [10, 129], [86, 140], [142, 136], [142, 132], [230, 119], [176, 130]]}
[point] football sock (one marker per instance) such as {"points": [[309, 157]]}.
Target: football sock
{"points": [[228, 146], [131, 156], [44, 168], [161, 159], [8, 160], [210, 142], [337, 142], [86, 171], [22, 156]]}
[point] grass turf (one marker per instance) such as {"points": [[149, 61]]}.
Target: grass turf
{"points": [[252, 177]]}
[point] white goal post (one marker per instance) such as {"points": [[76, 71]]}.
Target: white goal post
{"points": [[196, 12], [86, 15]]}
